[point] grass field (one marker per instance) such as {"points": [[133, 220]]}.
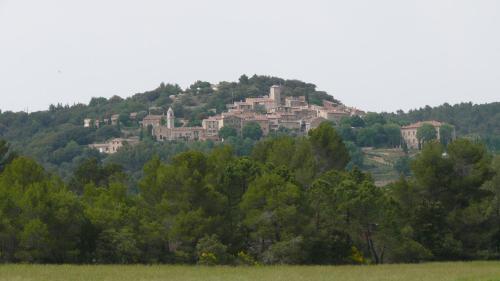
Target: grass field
{"points": [[460, 271]]}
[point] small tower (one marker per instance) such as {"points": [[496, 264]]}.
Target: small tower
{"points": [[170, 118], [275, 94]]}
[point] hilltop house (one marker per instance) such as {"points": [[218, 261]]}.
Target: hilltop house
{"points": [[113, 145], [409, 133]]}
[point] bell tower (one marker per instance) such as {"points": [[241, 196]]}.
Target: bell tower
{"points": [[170, 118], [275, 94]]}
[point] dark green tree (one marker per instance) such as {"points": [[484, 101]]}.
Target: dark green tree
{"points": [[252, 131], [6, 154], [329, 149], [426, 133], [226, 132], [446, 133]]}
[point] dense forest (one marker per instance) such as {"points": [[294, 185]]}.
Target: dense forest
{"points": [[292, 200]]}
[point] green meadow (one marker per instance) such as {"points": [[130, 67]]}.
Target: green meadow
{"points": [[456, 271]]}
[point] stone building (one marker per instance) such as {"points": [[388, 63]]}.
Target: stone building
{"points": [[312, 123], [169, 132], [259, 119], [409, 133], [232, 120], [212, 126], [91, 123], [87, 123], [113, 145], [163, 133], [295, 101], [115, 118], [153, 120], [275, 94]]}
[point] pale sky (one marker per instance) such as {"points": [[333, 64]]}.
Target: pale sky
{"points": [[376, 55]]}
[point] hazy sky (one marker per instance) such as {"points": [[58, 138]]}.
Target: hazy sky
{"points": [[376, 55]]}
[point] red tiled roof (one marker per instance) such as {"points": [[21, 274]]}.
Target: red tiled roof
{"points": [[420, 123]]}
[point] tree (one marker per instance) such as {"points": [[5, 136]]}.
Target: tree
{"points": [[452, 198], [366, 137], [445, 134], [369, 213], [226, 132], [106, 132], [47, 220], [356, 155], [393, 135], [357, 121], [273, 211], [493, 185], [6, 155], [402, 166], [124, 119], [329, 149], [243, 79], [347, 133], [92, 171], [426, 133], [373, 118], [252, 131]]}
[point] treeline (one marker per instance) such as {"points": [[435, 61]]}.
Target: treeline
{"points": [[291, 201], [475, 121], [373, 130]]}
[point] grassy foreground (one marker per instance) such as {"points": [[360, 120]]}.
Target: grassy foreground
{"points": [[462, 271]]}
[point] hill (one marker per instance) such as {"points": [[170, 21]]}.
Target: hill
{"points": [[57, 139]]}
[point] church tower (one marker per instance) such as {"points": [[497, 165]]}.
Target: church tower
{"points": [[170, 118], [275, 94]]}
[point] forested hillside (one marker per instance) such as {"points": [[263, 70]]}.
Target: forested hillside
{"points": [[477, 121], [57, 139]]}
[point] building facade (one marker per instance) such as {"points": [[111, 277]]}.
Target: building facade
{"points": [[169, 132], [113, 145], [409, 133]]}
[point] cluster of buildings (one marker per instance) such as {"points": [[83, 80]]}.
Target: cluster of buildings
{"points": [[112, 120], [163, 128], [271, 112]]}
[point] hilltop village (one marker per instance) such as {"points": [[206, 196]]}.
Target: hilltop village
{"points": [[272, 113]]}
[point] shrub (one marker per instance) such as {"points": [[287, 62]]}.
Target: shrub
{"points": [[245, 259], [285, 252], [211, 251]]}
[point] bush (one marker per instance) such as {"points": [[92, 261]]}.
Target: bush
{"points": [[285, 252], [211, 251], [245, 259], [207, 259]]}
